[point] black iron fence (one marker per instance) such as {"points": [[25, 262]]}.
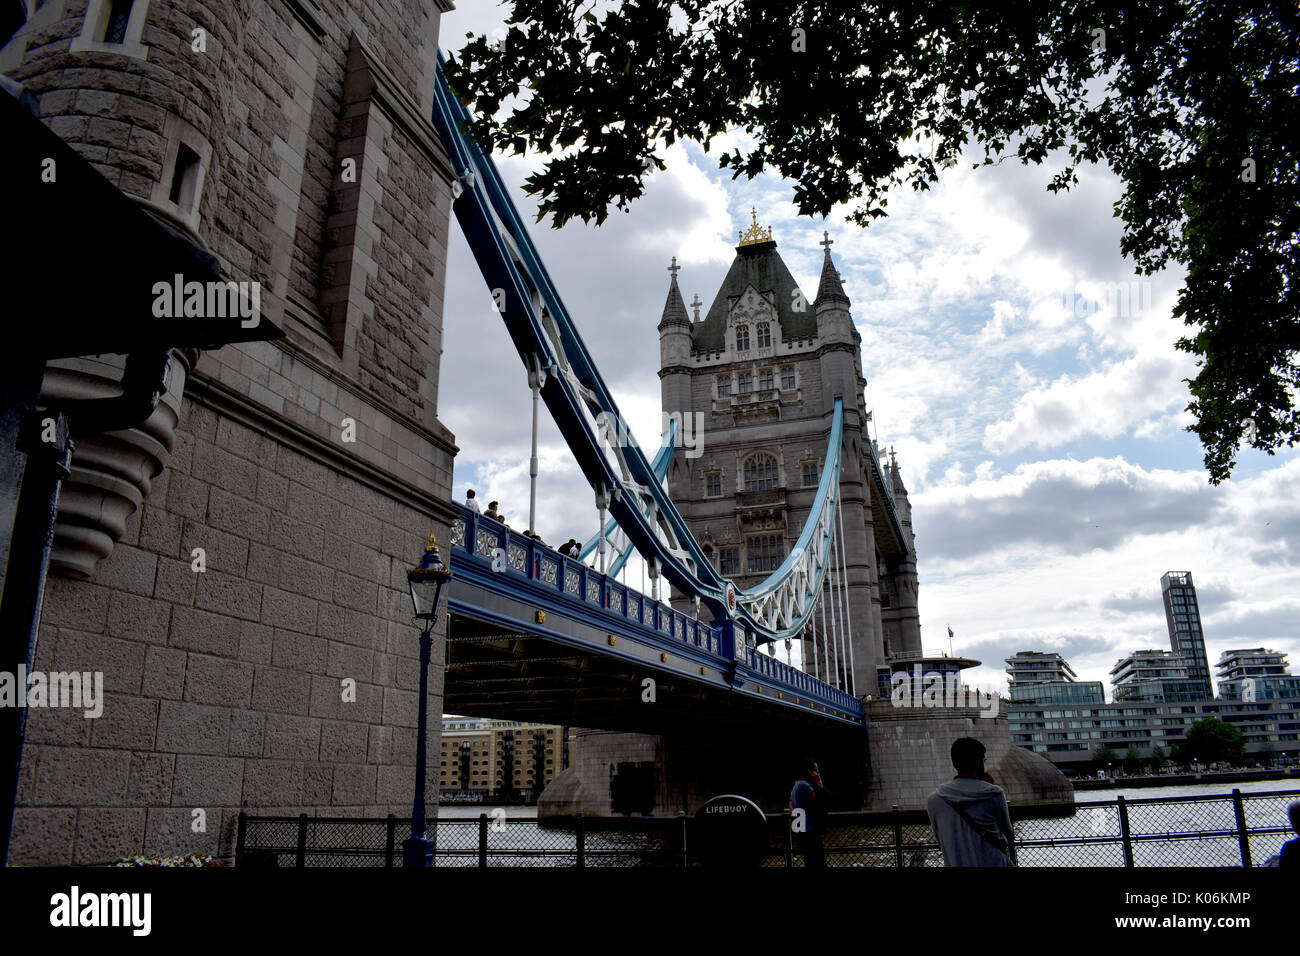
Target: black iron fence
{"points": [[1235, 829]]}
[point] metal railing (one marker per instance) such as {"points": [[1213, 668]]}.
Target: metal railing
{"points": [[1234, 829]]}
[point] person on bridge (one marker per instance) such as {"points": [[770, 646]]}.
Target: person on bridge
{"points": [[471, 502], [571, 549], [808, 806], [492, 511], [969, 816]]}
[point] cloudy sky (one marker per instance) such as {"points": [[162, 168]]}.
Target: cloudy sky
{"points": [[1025, 376]]}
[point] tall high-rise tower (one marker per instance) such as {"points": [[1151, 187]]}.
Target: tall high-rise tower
{"points": [[763, 368], [1183, 616]]}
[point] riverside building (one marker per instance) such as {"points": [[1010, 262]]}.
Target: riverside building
{"points": [[1042, 719]]}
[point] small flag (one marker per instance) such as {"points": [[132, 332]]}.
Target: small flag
{"points": [[868, 416], [950, 634]]}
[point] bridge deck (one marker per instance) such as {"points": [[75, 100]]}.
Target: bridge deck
{"points": [[538, 636]]}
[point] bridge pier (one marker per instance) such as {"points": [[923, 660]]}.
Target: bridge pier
{"points": [[899, 761], [621, 774], [909, 750]]}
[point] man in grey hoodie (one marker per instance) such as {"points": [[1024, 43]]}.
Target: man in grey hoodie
{"points": [[969, 816]]}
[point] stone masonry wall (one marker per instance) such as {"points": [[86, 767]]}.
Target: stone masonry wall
{"points": [[310, 471]]}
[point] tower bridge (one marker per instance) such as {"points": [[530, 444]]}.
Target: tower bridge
{"points": [[281, 673], [784, 529]]}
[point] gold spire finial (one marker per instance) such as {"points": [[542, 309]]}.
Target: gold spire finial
{"points": [[755, 233]]}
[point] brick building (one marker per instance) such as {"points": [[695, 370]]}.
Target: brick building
{"points": [[235, 565]]}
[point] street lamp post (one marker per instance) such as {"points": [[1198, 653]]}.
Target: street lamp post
{"points": [[426, 582]]}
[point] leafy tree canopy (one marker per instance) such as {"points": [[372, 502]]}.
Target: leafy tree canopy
{"points": [[1211, 740], [1194, 104]]}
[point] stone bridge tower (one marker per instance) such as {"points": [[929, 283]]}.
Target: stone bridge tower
{"points": [[291, 140], [763, 369]]}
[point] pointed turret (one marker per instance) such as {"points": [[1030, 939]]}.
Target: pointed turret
{"points": [[896, 476], [829, 288], [675, 306], [675, 344]]}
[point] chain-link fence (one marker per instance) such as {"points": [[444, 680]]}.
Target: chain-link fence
{"points": [[1234, 829]]}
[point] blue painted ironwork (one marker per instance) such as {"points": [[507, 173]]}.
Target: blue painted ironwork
{"points": [[585, 412], [631, 617], [660, 466]]}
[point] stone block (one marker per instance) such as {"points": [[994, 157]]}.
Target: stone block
{"points": [[42, 837], [346, 660], [149, 781], [160, 530], [255, 642], [128, 723], [218, 681], [176, 582], [105, 834], [188, 728], [281, 691], [74, 777], [80, 604], [297, 537], [207, 781], [138, 618], [317, 784], [238, 513], [205, 631], [327, 700], [313, 507], [358, 594], [228, 594], [300, 652], [221, 551], [272, 490], [187, 496], [354, 784], [247, 733], [288, 610], [170, 831], [243, 441], [263, 564], [292, 736], [164, 673], [273, 783], [344, 742], [307, 577], [121, 662]]}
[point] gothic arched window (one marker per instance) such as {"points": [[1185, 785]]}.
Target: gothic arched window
{"points": [[742, 338], [761, 473], [764, 335]]}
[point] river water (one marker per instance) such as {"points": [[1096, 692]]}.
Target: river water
{"points": [[1176, 829]]}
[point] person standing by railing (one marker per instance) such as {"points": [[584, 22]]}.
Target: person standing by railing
{"points": [[1290, 855], [809, 806], [969, 816]]}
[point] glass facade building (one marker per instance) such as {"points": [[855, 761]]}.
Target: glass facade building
{"points": [[1186, 639]]}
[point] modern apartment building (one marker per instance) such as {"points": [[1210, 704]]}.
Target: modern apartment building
{"points": [[1255, 674], [1155, 675], [1041, 716], [1186, 639], [1046, 678]]}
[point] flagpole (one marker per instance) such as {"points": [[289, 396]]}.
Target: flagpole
{"points": [[950, 640]]}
